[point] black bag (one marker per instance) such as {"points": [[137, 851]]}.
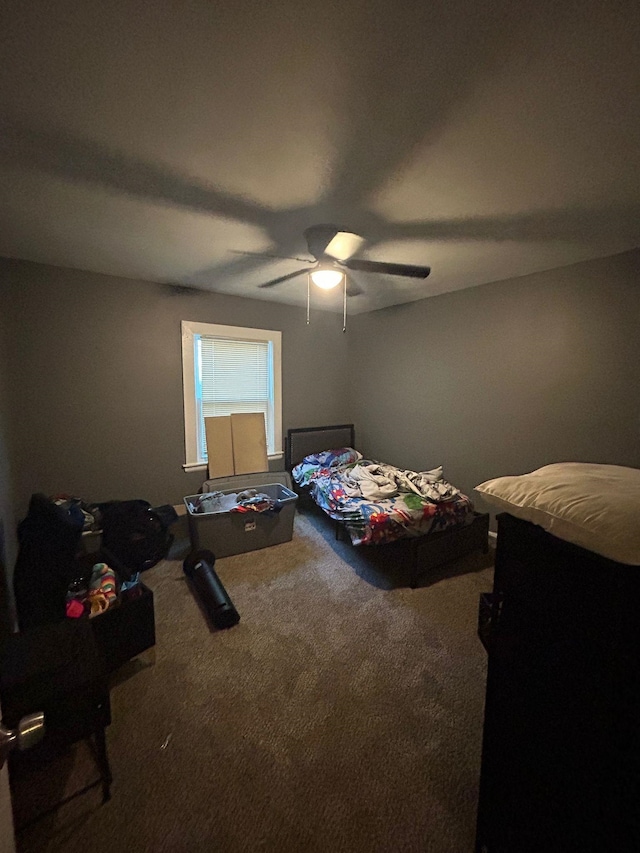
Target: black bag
{"points": [[135, 535], [49, 543]]}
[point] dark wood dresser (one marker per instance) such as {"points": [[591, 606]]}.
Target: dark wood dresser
{"points": [[560, 770]]}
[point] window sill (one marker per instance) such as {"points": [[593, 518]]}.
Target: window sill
{"points": [[202, 466]]}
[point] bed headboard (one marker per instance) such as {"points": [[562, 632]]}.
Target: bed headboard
{"points": [[301, 442]]}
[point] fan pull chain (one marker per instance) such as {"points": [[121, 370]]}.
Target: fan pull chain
{"points": [[344, 303], [308, 295]]}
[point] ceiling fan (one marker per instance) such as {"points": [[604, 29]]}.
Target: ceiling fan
{"points": [[333, 251]]}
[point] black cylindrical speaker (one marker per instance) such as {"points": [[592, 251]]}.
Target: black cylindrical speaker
{"points": [[198, 567]]}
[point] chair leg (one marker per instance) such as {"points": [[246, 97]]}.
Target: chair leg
{"points": [[103, 763]]}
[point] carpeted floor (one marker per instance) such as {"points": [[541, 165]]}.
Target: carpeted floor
{"points": [[343, 713]]}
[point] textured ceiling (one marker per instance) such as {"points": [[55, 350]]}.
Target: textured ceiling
{"points": [[151, 140]]}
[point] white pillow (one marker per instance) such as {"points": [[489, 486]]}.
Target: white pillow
{"points": [[594, 506]]}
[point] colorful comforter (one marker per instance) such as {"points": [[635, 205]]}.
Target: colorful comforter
{"points": [[380, 503]]}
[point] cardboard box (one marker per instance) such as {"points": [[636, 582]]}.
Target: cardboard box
{"points": [[127, 628]]}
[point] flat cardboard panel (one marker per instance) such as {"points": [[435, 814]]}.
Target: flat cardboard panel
{"points": [[249, 443], [219, 446]]}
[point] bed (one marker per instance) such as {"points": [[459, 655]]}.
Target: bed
{"points": [[376, 504], [560, 765]]}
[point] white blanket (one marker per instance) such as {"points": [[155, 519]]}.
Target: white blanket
{"points": [[376, 481]]}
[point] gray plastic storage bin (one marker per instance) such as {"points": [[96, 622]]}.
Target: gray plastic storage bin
{"points": [[227, 533]]}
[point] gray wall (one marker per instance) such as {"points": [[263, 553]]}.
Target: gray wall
{"points": [[488, 381], [96, 379], [506, 377]]}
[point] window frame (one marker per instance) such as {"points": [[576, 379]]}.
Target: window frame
{"points": [[190, 331]]}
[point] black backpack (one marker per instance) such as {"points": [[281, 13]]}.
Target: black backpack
{"points": [[135, 535], [49, 542]]}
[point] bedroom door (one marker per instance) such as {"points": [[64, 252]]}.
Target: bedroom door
{"points": [[7, 841]]}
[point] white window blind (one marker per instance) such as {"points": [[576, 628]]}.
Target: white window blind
{"points": [[234, 376]]}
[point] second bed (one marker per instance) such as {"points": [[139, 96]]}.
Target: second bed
{"points": [[378, 504]]}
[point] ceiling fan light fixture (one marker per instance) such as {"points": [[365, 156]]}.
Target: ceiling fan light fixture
{"points": [[326, 278]]}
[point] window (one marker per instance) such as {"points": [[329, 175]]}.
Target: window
{"points": [[229, 369]]}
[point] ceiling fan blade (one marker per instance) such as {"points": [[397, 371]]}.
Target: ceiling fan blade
{"points": [[318, 238], [343, 245], [282, 278], [361, 265], [270, 255]]}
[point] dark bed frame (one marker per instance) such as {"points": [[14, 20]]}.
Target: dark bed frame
{"points": [[425, 552], [560, 765]]}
